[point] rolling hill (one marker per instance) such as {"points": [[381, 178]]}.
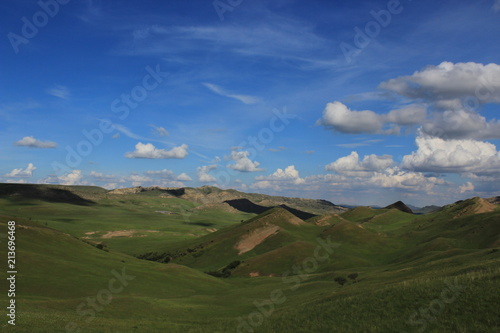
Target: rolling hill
{"points": [[214, 268]]}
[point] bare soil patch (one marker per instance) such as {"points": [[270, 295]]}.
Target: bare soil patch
{"points": [[255, 237]]}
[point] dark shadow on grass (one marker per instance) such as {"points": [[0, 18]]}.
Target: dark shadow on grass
{"points": [[19, 193], [202, 224]]}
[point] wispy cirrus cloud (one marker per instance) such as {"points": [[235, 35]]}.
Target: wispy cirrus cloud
{"points": [[246, 99], [159, 131], [59, 91]]}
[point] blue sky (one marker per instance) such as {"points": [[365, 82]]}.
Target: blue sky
{"points": [[354, 102]]}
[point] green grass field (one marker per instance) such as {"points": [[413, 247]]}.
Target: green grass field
{"points": [[428, 273]]}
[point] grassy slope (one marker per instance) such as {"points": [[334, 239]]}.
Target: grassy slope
{"points": [[124, 212], [402, 261]]}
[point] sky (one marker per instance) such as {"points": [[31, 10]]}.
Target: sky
{"points": [[355, 102]]}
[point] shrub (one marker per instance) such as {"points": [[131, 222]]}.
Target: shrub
{"points": [[340, 280], [353, 276]]}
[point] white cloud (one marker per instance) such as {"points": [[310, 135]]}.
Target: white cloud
{"points": [[139, 180], [352, 166], [184, 177], [167, 174], [397, 178], [75, 177], [448, 84], [278, 38], [407, 116], [454, 92], [163, 177], [100, 177], [29, 141], [16, 181], [242, 98], [148, 150], [340, 118], [203, 174], [263, 184], [461, 124], [372, 172], [59, 91], [454, 156], [26, 173], [243, 163], [286, 176], [466, 187]]}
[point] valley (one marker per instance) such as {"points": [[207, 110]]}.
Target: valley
{"points": [[211, 260]]}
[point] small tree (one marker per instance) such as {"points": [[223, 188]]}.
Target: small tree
{"points": [[340, 280], [353, 276]]}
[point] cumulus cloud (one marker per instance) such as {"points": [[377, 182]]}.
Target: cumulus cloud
{"points": [[242, 98], [407, 116], [242, 162], [75, 177], [454, 156], [397, 178], [31, 142], [461, 124], [340, 118], [23, 173], [466, 187], [454, 92], [148, 150], [372, 172], [263, 184], [184, 177], [392, 177], [59, 91], [351, 165], [100, 177], [203, 174], [286, 176], [165, 173], [139, 180], [448, 84]]}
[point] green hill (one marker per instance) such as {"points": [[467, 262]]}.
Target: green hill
{"points": [[364, 270]]}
